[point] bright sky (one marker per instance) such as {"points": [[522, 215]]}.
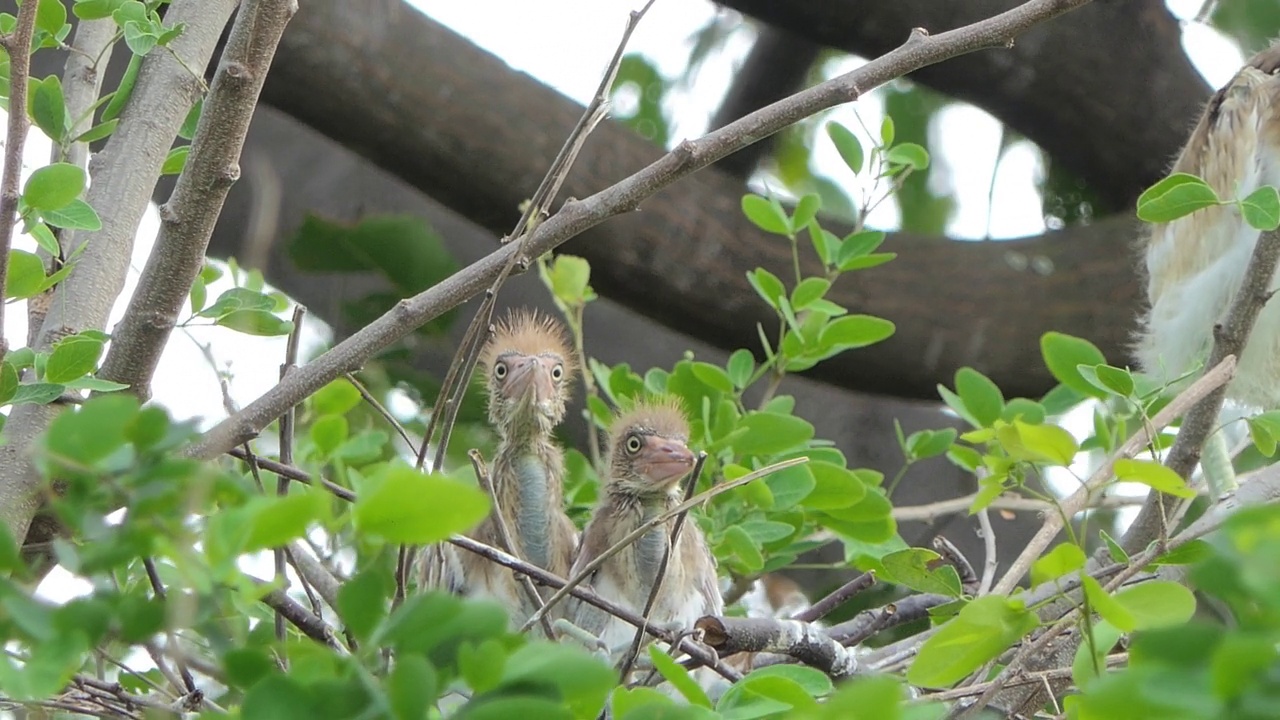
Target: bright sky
{"points": [[566, 44]]}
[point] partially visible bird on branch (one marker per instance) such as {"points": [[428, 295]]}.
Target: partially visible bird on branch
{"points": [[648, 455], [1196, 264], [528, 368]]}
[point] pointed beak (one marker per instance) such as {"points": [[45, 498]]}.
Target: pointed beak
{"points": [[529, 378], [664, 461]]}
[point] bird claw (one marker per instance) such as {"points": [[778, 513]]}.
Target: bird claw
{"points": [[566, 629]]}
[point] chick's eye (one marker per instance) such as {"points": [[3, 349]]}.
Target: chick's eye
{"points": [[633, 444], [500, 370], [557, 372]]}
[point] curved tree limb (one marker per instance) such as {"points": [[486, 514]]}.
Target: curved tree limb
{"points": [[123, 176], [683, 261], [577, 216], [1114, 65]]}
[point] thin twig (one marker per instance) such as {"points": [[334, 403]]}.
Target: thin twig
{"points": [[577, 216], [930, 512], [286, 456], [18, 46], [835, 599], [989, 545], [656, 521], [1216, 378], [380, 409], [674, 537], [157, 587], [504, 537]]}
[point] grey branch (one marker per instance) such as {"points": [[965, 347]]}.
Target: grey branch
{"points": [[123, 175], [577, 216], [800, 640], [188, 218]]}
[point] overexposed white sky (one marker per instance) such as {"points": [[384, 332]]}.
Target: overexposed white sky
{"points": [[566, 44]]}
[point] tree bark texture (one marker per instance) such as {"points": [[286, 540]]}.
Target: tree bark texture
{"points": [[1106, 90]]}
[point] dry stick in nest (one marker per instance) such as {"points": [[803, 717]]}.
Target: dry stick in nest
{"points": [[676, 527], [458, 376], [641, 531]]}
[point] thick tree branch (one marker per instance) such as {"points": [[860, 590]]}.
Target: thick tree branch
{"points": [[578, 216], [1114, 65], [777, 66], [123, 176], [188, 219], [478, 138], [18, 47], [801, 640]]}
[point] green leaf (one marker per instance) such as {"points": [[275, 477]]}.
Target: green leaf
{"points": [[859, 244], [806, 210], [1264, 429], [1065, 558], [766, 433], [95, 431], [886, 131], [362, 601], [982, 630], [910, 567], [189, 123], [53, 187], [1153, 475], [1037, 443], [328, 432], [981, 396], [8, 383], [255, 322], [766, 214], [855, 331], [908, 154], [1064, 354], [1107, 606], [412, 687], [25, 275], [809, 291], [95, 9], [278, 697], [740, 367], [139, 38], [1176, 196], [121, 96], [482, 664], [1262, 208], [678, 677], [569, 278], [72, 358], [48, 108], [583, 683], [847, 145], [744, 547], [834, 487], [337, 398], [403, 505], [1111, 380], [273, 521], [866, 261], [924, 444], [176, 160], [43, 236], [77, 215], [51, 15], [39, 393], [1157, 604], [789, 486], [712, 376], [98, 132], [767, 286]]}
